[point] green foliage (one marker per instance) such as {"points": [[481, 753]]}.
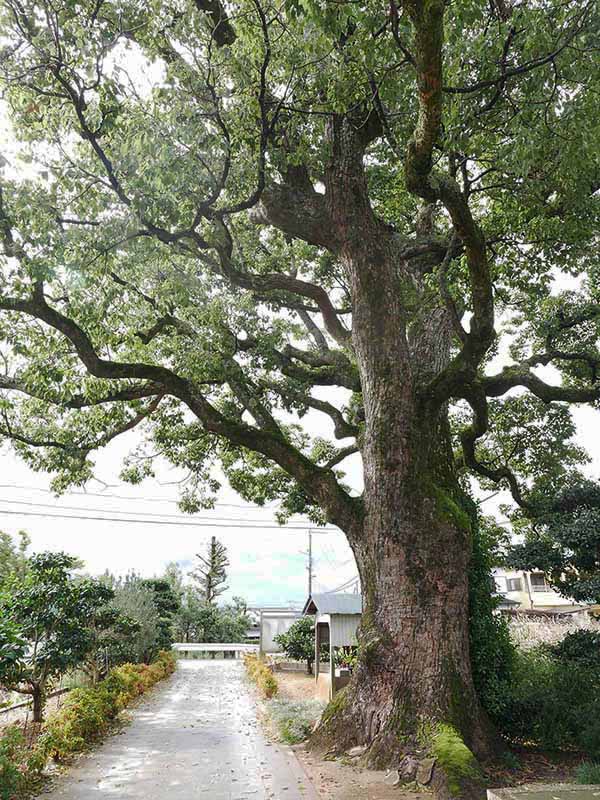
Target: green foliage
{"points": [[119, 253], [552, 703], [88, 712], [166, 602], [492, 652], [581, 647], [13, 555], [565, 541], [201, 622], [589, 738], [111, 633], [588, 773], [346, 656], [211, 572], [147, 159], [536, 440], [85, 716], [46, 609], [136, 601], [12, 754], [298, 642], [198, 621]]}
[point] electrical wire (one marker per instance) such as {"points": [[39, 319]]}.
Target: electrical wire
{"points": [[118, 496], [149, 514], [238, 524]]}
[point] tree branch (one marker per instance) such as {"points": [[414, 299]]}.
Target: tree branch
{"points": [[510, 377], [316, 481], [431, 186], [222, 31], [299, 211], [476, 398], [341, 454], [277, 281], [342, 428], [79, 401]]}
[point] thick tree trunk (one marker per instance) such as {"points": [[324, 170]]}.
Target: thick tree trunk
{"points": [[415, 662], [414, 672], [413, 544]]}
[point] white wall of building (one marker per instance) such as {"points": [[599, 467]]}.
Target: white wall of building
{"points": [[529, 590]]}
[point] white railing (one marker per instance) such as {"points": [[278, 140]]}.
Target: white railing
{"points": [[214, 647]]}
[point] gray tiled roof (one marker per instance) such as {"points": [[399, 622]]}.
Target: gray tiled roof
{"points": [[334, 604]]}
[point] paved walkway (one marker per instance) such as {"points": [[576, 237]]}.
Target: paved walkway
{"points": [[196, 736]]}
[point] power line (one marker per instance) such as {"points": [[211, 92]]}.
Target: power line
{"points": [[239, 523], [345, 585], [119, 496], [148, 514]]}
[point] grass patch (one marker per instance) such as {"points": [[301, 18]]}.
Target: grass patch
{"points": [[588, 772], [294, 719], [454, 757]]}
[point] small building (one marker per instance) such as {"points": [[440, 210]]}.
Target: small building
{"points": [[337, 617], [274, 621]]}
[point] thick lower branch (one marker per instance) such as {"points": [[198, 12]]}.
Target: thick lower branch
{"points": [[317, 482], [511, 377]]}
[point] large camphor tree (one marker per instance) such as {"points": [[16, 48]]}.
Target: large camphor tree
{"points": [[221, 218]]}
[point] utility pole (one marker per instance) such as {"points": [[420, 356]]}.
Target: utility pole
{"points": [[310, 563], [309, 568]]}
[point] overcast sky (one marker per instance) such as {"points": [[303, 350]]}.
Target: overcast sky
{"points": [[268, 564]]}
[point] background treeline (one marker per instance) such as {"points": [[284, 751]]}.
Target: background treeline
{"points": [[57, 622]]}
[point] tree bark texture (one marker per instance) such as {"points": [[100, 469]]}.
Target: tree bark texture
{"points": [[37, 696], [413, 542]]}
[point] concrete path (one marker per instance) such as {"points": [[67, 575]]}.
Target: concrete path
{"points": [[196, 736]]}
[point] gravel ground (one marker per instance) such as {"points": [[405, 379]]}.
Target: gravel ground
{"points": [[195, 736]]}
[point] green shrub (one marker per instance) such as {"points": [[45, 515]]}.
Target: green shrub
{"points": [[492, 651], [260, 673], [589, 738], [552, 703], [587, 772], [581, 647], [13, 777], [85, 715]]}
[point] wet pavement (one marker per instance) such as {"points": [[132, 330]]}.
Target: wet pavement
{"points": [[196, 737]]}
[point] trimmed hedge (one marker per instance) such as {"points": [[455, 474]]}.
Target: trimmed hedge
{"points": [[260, 673], [85, 716]]}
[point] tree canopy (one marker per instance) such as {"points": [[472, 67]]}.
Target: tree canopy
{"points": [[564, 542], [167, 226], [299, 641], [13, 555]]}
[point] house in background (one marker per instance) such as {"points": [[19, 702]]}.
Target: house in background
{"points": [[337, 617], [272, 622], [529, 591]]}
